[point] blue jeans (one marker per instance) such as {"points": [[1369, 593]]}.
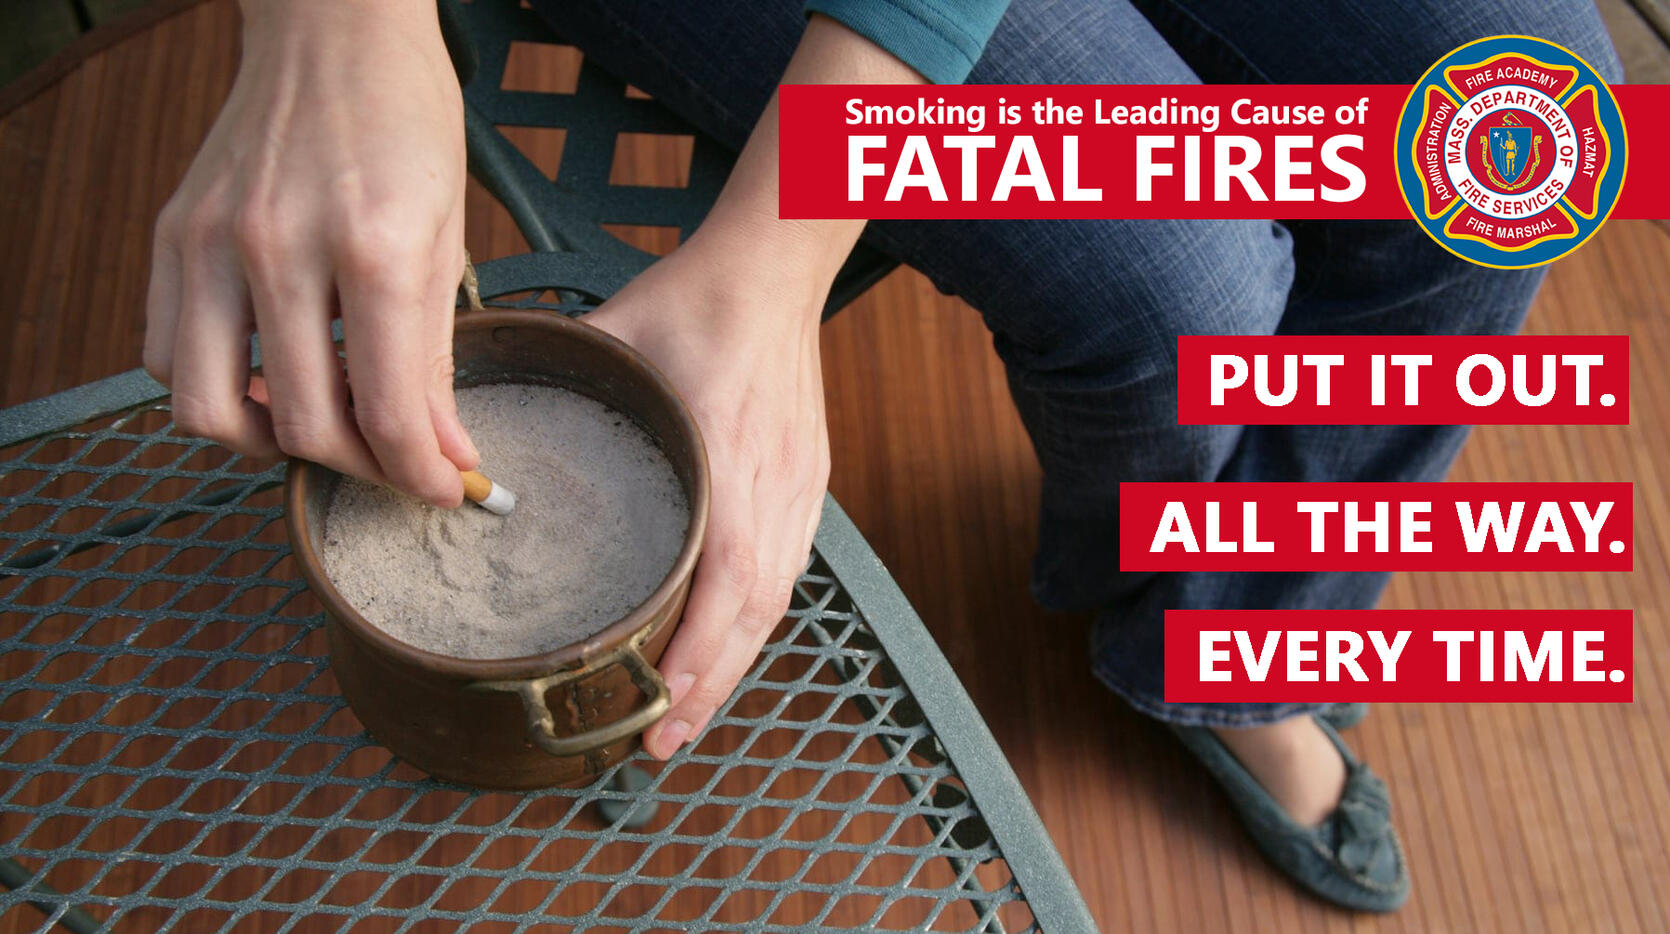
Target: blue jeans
{"points": [[1085, 314]]}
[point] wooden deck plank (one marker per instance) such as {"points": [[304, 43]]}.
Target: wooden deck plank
{"points": [[1516, 818]]}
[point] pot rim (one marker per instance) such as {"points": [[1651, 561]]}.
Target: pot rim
{"points": [[578, 654]]}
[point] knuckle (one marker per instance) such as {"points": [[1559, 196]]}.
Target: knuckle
{"points": [[200, 417], [705, 642], [377, 246], [202, 230], [725, 428], [765, 608], [705, 697], [300, 435], [442, 369], [259, 234], [739, 563], [782, 455], [756, 623], [383, 425]]}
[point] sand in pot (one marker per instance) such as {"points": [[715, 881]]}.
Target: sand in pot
{"points": [[599, 520]]}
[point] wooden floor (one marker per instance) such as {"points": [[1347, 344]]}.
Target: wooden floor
{"points": [[1516, 818]]}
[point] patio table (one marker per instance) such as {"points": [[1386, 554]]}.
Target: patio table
{"points": [[175, 755]]}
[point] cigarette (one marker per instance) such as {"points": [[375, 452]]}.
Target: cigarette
{"points": [[488, 495]]}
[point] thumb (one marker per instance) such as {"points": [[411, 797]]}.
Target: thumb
{"points": [[454, 440]]}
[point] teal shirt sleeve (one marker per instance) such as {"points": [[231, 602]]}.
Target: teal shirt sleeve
{"points": [[942, 39]]}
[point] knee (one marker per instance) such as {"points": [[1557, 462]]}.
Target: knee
{"points": [[1573, 24], [1099, 313], [1361, 277]]}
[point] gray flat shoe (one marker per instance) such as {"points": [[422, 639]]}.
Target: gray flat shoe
{"points": [[1352, 859], [1344, 716]]}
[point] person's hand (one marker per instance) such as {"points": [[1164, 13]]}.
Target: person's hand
{"points": [[331, 183], [739, 341], [731, 317]]}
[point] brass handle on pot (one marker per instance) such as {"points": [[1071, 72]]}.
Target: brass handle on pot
{"points": [[472, 289], [542, 724]]}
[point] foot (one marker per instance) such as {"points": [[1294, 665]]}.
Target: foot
{"points": [[1319, 814], [1295, 762]]}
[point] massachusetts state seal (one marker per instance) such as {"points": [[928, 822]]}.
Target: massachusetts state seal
{"points": [[1511, 152]]}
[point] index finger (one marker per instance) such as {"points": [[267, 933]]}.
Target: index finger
{"points": [[383, 329]]}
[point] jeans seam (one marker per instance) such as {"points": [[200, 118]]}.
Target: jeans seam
{"points": [[1210, 715]]}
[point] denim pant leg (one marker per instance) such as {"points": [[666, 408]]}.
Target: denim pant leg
{"points": [[1084, 314], [1353, 277], [1346, 284], [1361, 41]]}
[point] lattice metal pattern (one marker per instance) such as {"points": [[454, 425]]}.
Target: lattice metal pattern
{"points": [[175, 755], [545, 134], [571, 177]]}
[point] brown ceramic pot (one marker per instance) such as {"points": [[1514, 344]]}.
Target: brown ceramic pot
{"points": [[558, 718]]}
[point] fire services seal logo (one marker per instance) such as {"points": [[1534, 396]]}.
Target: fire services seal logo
{"points": [[1511, 152]]}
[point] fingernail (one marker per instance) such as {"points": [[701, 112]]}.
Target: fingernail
{"points": [[672, 736], [679, 685]]}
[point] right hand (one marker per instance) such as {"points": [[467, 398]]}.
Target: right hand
{"points": [[331, 183]]}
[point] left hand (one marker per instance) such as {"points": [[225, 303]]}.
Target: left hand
{"points": [[738, 338], [731, 318]]}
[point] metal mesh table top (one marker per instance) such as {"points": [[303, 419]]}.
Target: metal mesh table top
{"points": [[174, 754]]}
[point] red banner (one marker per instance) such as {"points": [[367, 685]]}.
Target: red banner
{"points": [[1128, 151], [1331, 656], [1376, 527], [1402, 380]]}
